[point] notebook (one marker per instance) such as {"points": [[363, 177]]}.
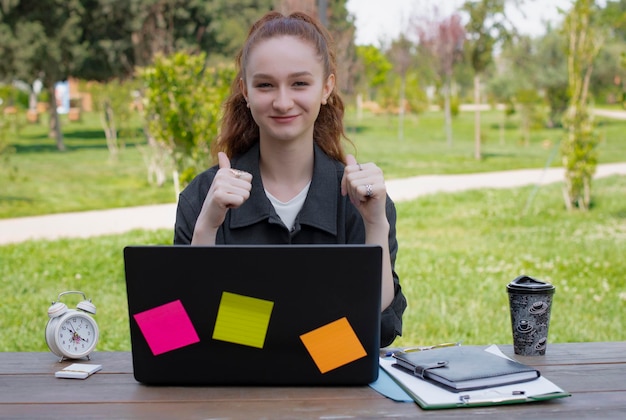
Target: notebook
{"points": [[462, 368], [432, 397], [254, 315]]}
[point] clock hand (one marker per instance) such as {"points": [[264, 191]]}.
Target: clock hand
{"points": [[72, 325], [75, 336]]}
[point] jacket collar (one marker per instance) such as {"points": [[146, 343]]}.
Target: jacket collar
{"points": [[320, 207]]}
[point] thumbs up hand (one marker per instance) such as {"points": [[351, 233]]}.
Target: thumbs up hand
{"points": [[230, 189], [365, 185]]}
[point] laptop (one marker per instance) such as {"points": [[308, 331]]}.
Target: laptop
{"points": [[254, 314]]}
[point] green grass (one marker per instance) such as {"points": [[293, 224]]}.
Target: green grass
{"points": [[82, 178], [457, 251], [424, 150], [85, 178], [35, 272]]}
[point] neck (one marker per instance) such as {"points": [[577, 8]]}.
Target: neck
{"points": [[286, 171]]}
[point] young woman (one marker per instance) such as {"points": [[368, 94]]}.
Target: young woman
{"points": [[282, 175]]}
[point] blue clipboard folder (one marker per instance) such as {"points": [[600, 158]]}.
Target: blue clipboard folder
{"points": [[432, 397]]}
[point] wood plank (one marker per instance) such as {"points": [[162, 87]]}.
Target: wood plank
{"points": [[591, 406], [588, 378], [12, 363], [592, 372], [123, 388], [121, 362], [574, 353]]}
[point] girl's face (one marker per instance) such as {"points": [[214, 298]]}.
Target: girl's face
{"points": [[285, 88]]}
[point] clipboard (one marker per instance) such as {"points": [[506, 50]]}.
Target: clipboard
{"points": [[433, 397]]}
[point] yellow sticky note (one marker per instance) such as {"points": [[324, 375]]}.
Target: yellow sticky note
{"points": [[242, 320], [333, 345]]}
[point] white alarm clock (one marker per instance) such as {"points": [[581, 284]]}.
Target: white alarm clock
{"points": [[72, 333]]}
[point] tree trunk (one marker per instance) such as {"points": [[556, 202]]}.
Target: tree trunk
{"points": [[502, 126], [477, 151], [447, 111], [107, 118], [401, 110], [176, 180], [55, 123]]}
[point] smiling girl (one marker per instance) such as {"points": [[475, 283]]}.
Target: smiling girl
{"points": [[282, 175]]}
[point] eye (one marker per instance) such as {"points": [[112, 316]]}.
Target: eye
{"points": [[301, 84], [263, 85]]}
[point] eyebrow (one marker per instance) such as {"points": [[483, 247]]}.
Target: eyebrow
{"points": [[292, 75]]}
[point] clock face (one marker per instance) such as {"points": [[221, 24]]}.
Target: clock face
{"points": [[76, 335]]}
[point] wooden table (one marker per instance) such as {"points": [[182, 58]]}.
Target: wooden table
{"points": [[595, 374]]}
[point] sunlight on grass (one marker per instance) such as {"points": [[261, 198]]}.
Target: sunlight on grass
{"points": [[463, 249], [85, 178], [457, 253]]}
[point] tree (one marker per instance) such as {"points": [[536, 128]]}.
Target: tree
{"points": [[41, 39], [609, 75], [520, 69], [342, 29], [107, 27], [112, 101], [400, 56], [551, 74], [5, 146], [578, 148], [443, 40], [123, 34], [487, 26], [375, 68], [183, 101]]}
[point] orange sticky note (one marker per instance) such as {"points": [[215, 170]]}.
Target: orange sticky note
{"points": [[333, 345]]}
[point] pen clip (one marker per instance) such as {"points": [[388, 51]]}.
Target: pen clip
{"points": [[466, 399]]}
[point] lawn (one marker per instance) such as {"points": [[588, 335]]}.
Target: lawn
{"points": [[457, 251], [85, 178]]}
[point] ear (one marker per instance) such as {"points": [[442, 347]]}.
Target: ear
{"points": [[328, 88], [243, 88]]}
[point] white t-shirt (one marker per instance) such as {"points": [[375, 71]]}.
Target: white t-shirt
{"points": [[289, 210]]}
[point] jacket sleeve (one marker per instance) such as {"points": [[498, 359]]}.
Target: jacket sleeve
{"points": [[190, 203], [185, 222], [391, 317]]}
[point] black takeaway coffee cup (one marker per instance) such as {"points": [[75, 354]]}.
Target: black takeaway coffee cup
{"points": [[530, 302]]}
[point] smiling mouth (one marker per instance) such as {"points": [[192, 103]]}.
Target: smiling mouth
{"points": [[284, 119]]}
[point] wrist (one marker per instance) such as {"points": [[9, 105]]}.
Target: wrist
{"points": [[377, 231], [203, 235], [379, 225]]}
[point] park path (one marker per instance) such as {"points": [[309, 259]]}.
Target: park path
{"points": [[115, 221]]}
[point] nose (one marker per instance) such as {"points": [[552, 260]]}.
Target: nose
{"points": [[282, 102]]}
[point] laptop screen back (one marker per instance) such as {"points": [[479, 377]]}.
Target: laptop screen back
{"points": [[254, 315]]}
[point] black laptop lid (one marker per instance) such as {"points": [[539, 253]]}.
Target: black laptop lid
{"points": [[254, 315]]}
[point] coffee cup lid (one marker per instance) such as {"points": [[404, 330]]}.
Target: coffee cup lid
{"points": [[528, 284]]}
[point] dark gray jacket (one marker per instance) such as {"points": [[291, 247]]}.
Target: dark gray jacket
{"points": [[326, 217]]}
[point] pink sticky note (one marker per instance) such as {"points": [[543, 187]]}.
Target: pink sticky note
{"points": [[166, 327]]}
